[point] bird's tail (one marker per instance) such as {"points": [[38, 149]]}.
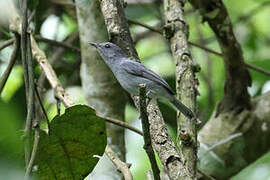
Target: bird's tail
{"points": [[182, 108]]}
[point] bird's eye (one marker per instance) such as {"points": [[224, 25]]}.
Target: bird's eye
{"points": [[107, 46]]}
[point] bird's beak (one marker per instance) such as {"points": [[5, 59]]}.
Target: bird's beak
{"points": [[93, 44]]}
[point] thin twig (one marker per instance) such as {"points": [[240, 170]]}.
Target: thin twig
{"points": [[30, 109], [160, 32], [32, 15], [39, 38], [206, 176], [122, 124], [57, 55], [42, 108], [11, 63], [258, 69], [146, 132], [250, 66], [34, 150], [24, 56], [58, 43], [41, 58], [225, 140], [120, 165], [255, 68], [145, 26], [6, 44], [205, 48]]}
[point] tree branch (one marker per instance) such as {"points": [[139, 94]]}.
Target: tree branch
{"points": [[42, 108], [122, 124], [120, 165], [29, 81], [58, 43], [6, 44], [30, 110], [258, 69], [50, 41], [236, 97], [176, 30], [146, 132], [59, 91], [34, 150], [11, 63], [57, 55], [145, 26], [153, 29]]}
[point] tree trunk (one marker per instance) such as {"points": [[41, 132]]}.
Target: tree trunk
{"points": [[176, 31]]}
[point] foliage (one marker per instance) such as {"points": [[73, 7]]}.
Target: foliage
{"points": [[68, 151]]}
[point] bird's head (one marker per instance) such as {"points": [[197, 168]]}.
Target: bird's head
{"points": [[109, 51]]}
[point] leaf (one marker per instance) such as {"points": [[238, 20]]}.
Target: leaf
{"points": [[260, 169], [67, 153]]}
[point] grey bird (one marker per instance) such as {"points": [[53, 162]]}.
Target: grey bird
{"points": [[130, 74]]}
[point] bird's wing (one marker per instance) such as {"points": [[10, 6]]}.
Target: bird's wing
{"points": [[140, 70]]}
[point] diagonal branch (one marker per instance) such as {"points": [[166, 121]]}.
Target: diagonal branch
{"points": [[11, 63], [146, 132], [58, 43], [120, 165], [153, 29], [6, 44], [41, 58]]}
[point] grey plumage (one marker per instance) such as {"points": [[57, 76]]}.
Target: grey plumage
{"points": [[130, 74]]}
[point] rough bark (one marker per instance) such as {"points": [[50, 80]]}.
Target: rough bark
{"points": [[118, 29], [176, 31], [102, 91], [163, 144]]}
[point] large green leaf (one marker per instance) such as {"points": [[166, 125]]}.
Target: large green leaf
{"points": [[67, 152], [259, 170]]}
